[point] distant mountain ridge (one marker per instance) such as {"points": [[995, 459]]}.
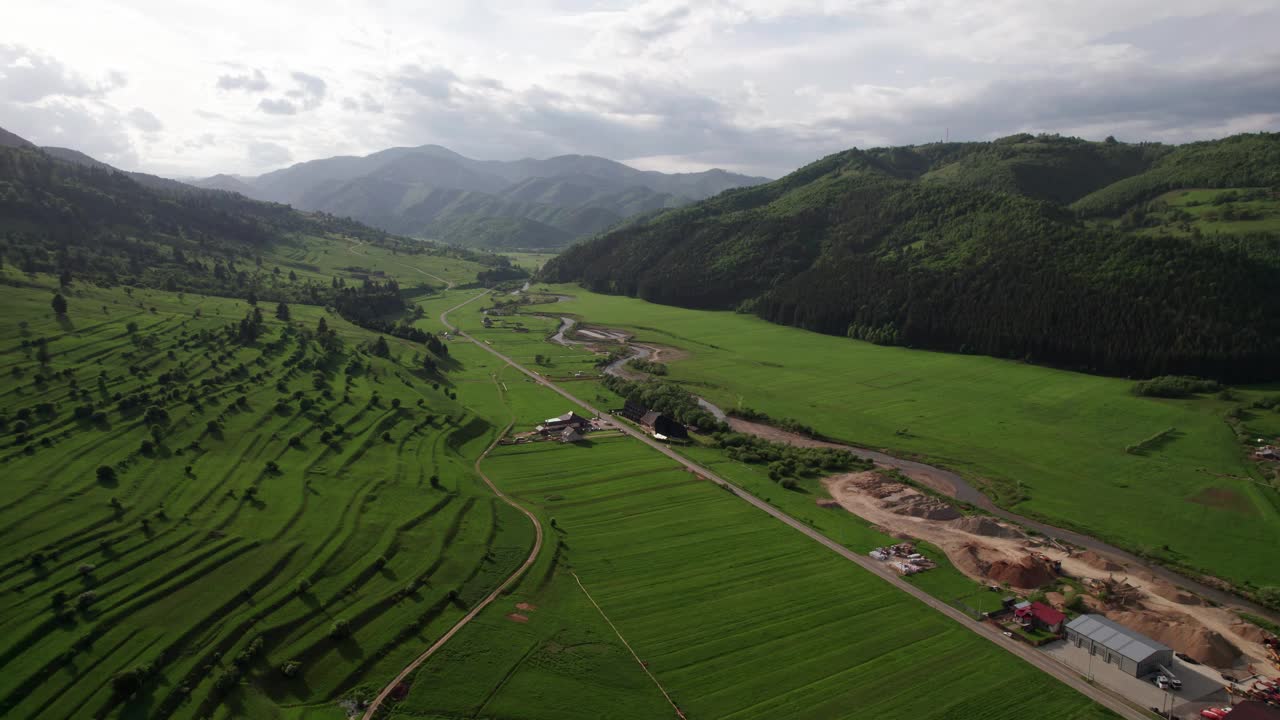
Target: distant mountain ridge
{"points": [[433, 192]]}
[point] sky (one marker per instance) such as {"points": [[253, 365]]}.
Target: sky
{"points": [[190, 88]]}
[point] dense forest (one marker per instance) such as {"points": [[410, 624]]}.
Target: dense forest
{"points": [[87, 220], [973, 247]]}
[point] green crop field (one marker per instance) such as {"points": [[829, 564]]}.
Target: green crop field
{"points": [[735, 614], [187, 512], [1043, 442]]}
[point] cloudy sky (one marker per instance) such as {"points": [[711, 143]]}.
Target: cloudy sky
{"points": [[195, 87]]}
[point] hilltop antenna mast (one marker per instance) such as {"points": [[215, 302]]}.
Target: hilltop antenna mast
{"points": [[948, 135]]}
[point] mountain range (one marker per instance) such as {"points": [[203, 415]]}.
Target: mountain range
{"points": [[433, 192], [1100, 256], [62, 211]]}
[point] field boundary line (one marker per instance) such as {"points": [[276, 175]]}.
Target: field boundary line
{"points": [[471, 615], [627, 645]]}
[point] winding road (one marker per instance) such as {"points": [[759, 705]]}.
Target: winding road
{"points": [[1099, 694]]}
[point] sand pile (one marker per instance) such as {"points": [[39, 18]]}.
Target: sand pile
{"points": [[1183, 634], [1170, 592], [1027, 574], [1056, 599], [1098, 562], [985, 526]]}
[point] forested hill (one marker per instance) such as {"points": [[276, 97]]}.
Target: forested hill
{"points": [[62, 212], [972, 247]]}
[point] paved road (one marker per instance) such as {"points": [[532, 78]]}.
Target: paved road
{"points": [[439, 643], [1100, 695]]}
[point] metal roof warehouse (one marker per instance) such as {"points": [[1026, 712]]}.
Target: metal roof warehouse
{"points": [[1135, 653]]}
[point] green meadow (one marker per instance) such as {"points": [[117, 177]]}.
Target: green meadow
{"points": [[736, 615], [1042, 442]]}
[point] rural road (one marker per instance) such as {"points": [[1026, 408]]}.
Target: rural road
{"points": [[1096, 693], [439, 643]]}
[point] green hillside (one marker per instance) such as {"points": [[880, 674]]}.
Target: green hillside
{"points": [[963, 248], [91, 222]]}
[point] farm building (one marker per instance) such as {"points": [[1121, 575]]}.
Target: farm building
{"points": [[1267, 453], [1135, 653], [1041, 616], [664, 425], [570, 435], [634, 411], [556, 425]]}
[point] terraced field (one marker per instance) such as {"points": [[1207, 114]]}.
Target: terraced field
{"points": [[735, 615], [1045, 442], [198, 524]]}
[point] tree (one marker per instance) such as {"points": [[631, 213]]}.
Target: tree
{"points": [[106, 474], [340, 629], [322, 328], [282, 312], [380, 347], [435, 481], [65, 278], [59, 304]]}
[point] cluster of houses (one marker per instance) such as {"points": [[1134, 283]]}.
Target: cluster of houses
{"points": [[569, 427], [663, 427], [1267, 452]]}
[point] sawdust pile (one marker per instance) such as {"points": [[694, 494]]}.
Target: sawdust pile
{"points": [[1097, 562], [1250, 632], [1171, 592], [985, 526], [1027, 574], [1183, 634]]}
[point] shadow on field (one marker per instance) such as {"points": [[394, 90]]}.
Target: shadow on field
{"points": [[65, 323]]}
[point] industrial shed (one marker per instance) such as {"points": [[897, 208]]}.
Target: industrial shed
{"points": [[1135, 653]]}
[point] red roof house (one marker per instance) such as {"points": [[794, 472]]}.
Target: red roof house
{"points": [[1038, 614]]}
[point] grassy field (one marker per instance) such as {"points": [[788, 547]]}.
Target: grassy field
{"points": [[1233, 211], [531, 261], [260, 495], [1044, 442], [736, 615]]}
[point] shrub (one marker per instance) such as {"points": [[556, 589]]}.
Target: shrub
{"points": [[340, 629], [290, 668], [85, 599], [1175, 386], [106, 474]]}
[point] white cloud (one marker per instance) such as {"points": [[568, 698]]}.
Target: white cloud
{"points": [[759, 85]]}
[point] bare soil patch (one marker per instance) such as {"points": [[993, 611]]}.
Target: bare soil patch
{"points": [[517, 617], [1224, 499], [991, 551], [525, 606]]}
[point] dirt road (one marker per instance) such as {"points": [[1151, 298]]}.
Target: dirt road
{"points": [[439, 643], [1027, 653]]}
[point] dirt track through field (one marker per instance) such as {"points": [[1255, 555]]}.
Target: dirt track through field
{"points": [[627, 645], [529, 561]]}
